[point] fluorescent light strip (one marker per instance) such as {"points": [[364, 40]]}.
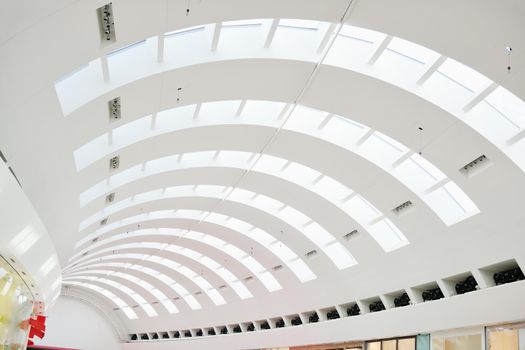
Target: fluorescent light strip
{"points": [[452, 86], [206, 261]]}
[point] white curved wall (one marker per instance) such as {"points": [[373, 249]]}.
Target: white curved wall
{"points": [[72, 323]]}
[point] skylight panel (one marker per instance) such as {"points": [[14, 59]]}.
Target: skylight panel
{"points": [[253, 265], [301, 173], [131, 132], [342, 257], [209, 263], [269, 281], [414, 51], [301, 270], [183, 31], [449, 210], [333, 189], [218, 110], [464, 75], [116, 300], [415, 176], [343, 131], [299, 23], [241, 290], [388, 235], [508, 105], [242, 23], [215, 296], [362, 34], [282, 250], [268, 164], [186, 271], [461, 198], [317, 234], [382, 150], [262, 110], [233, 251], [361, 209]]}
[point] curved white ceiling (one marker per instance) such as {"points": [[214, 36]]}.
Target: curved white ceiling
{"points": [[490, 109], [204, 179]]}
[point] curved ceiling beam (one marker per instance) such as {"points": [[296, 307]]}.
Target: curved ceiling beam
{"points": [[161, 250], [422, 177], [168, 235], [139, 290], [490, 109], [362, 211], [128, 294], [239, 227], [128, 278], [280, 211], [128, 311], [158, 269]]}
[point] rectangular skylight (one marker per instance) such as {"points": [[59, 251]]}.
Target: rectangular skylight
{"points": [[185, 31], [509, 105], [362, 34], [269, 281], [387, 235], [412, 50], [343, 131], [253, 265], [339, 255], [282, 251], [299, 23], [247, 22], [241, 290], [218, 110], [464, 75], [262, 110], [361, 209], [382, 150], [301, 270], [215, 296], [233, 251]]}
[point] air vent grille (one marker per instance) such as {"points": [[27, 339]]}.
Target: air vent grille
{"points": [[3, 157], [114, 109], [103, 221], [110, 198], [351, 235], [106, 23], [249, 278], [114, 163], [403, 208], [311, 254], [277, 267], [475, 166]]}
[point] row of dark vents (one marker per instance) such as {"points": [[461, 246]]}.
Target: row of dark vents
{"points": [[502, 273]]}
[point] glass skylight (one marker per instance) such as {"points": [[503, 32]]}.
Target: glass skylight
{"points": [[377, 147], [241, 256], [351, 50], [207, 262], [116, 300], [291, 216]]}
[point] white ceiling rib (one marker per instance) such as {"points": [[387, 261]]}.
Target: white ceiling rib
{"points": [[413, 170], [448, 83]]}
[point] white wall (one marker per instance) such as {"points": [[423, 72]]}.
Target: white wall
{"points": [[74, 324]]}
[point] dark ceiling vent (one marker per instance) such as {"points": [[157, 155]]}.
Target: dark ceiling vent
{"points": [[311, 254], [475, 166], [103, 221], [248, 279], [106, 24], [3, 157], [403, 208], [114, 109], [277, 267], [222, 286], [114, 163], [110, 198], [351, 235]]}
